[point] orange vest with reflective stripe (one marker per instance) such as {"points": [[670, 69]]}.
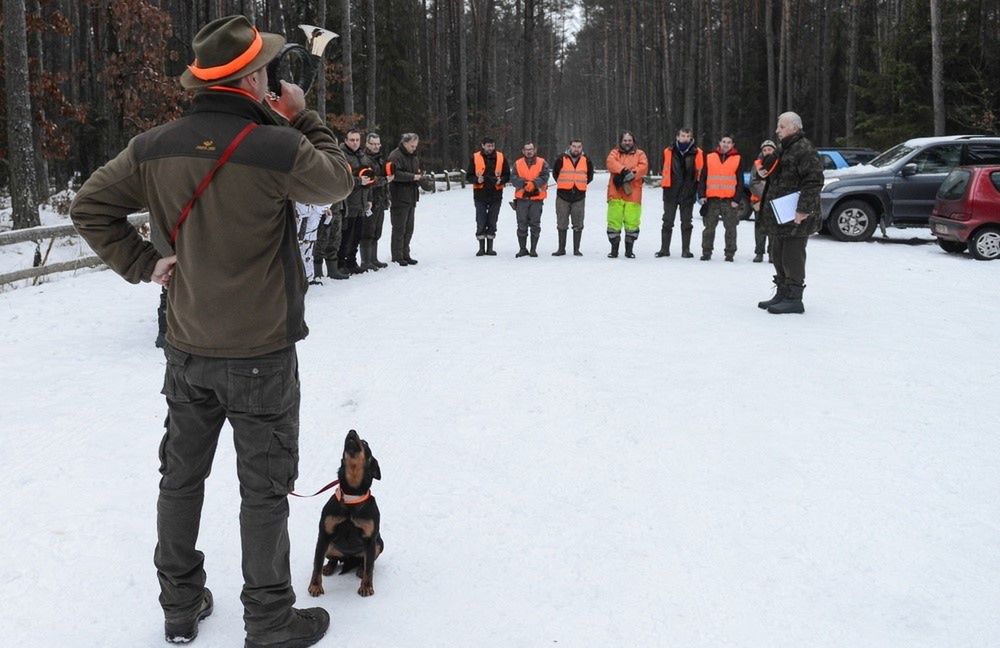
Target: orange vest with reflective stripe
{"points": [[480, 160], [668, 162], [721, 179], [530, 174], [571, 176], [759, 164]]}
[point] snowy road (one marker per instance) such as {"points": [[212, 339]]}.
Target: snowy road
{"points": [[575, 451]]}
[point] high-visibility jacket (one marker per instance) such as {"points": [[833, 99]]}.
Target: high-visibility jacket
{"points": [[619, 160], [668, 165], [758, 164], [480, 161], [571, 175], [721, 180], [530, 174]]}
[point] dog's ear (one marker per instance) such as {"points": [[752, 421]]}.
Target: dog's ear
{"points": [[375, 470]]}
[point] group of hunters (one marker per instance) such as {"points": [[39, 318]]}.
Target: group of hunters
{"points": [[223, 185], [331, 237]]}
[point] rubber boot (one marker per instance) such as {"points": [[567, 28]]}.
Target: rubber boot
{"points": [[489, 248], [614, 248], [577, 235], [779, 294], [482, 248], [333, 272], [523, 242], [375, 261], [628, 248], [686, 242], [534, 246], [562, 244], [665, 235], [318, 269], [366, 259], [792, 303]]}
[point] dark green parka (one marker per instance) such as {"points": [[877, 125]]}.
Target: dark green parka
{"points": [[799, 169]]}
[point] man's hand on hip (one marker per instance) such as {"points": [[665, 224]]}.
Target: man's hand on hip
{"points": [[163, 272]]}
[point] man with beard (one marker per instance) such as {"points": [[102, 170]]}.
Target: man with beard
{"points": [[404, 173], [573, 171], [371, 228], [530, 180], [356, 204], [723, 190], [683, 164], [799, 170], [488, 173], [628, 166]]}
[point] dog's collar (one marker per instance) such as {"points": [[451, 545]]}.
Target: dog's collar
{"points": [[352, 499]]}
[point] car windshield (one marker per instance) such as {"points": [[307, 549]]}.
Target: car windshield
{"points": [[954, 185], [894, 154]]}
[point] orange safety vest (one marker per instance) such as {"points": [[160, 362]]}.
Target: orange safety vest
{"points": [[758, 164], [572, 176], [668, 161], [480, 161], [721, 180], [530, 174]]}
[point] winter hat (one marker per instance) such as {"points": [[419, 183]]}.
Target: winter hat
{"points": [[227, 49], [768, 143]]}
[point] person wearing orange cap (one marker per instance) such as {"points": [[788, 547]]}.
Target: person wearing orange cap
{"points": [[220, 185]]}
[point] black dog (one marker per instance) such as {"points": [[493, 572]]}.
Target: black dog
{"points": [[349, 526]]}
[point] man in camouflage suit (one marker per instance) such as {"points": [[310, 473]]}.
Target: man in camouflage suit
{"points": [[799, 170]]}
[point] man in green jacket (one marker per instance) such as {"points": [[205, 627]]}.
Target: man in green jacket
{"points": [[799, 170], [236, 287]]}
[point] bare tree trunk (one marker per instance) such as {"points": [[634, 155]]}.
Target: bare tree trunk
{"points": [[370, 118], [691, 64], [36, 56], [19, 142], [823, 128], [852, 71], [345, 57], [321, 71], [527, 74], [463, 79], [772, 96], [937, 69]]}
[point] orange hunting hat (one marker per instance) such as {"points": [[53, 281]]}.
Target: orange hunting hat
{"points": [[227, 49]]}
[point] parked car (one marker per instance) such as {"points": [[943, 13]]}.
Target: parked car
{"points": [[967, 212], [899, 186], [841, 158]]}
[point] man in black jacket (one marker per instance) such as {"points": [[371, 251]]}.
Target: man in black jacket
{"points": [[683, 166], [356, 204], [371, 228], [404, 174], [488, 172]]}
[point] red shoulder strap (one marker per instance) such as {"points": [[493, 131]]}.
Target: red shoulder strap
{"points": [[207, 180]]}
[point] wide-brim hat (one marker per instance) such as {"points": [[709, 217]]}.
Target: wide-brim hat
{"points": [[227, 49]]}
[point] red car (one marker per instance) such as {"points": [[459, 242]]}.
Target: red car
{"points": [[967, 212]]}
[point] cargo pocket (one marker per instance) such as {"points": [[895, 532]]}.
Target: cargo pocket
{"points": [[283, 458], [162, 452], [256, 387], [175, 385]]}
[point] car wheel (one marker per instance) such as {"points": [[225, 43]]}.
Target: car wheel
{"points": [[985, 244], [955, 247], [854, 220]]}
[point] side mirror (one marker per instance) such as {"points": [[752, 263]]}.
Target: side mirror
{"points": [[909, 169]]}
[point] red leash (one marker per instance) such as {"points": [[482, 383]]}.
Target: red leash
{"points": [[322, 490]]}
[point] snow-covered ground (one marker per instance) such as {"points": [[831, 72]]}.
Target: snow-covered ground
{"points": [[575, 451]]}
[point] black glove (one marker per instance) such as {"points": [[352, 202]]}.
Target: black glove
{"points": [[619, 178]]}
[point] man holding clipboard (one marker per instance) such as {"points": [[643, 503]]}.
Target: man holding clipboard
{"points": [[790, 213]]}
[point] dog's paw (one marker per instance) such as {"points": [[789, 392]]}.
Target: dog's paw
{"points": [[366, 589], [329, 568], [315, 589]]}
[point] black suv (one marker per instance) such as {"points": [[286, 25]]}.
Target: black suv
{"points": [[899, 186]]}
